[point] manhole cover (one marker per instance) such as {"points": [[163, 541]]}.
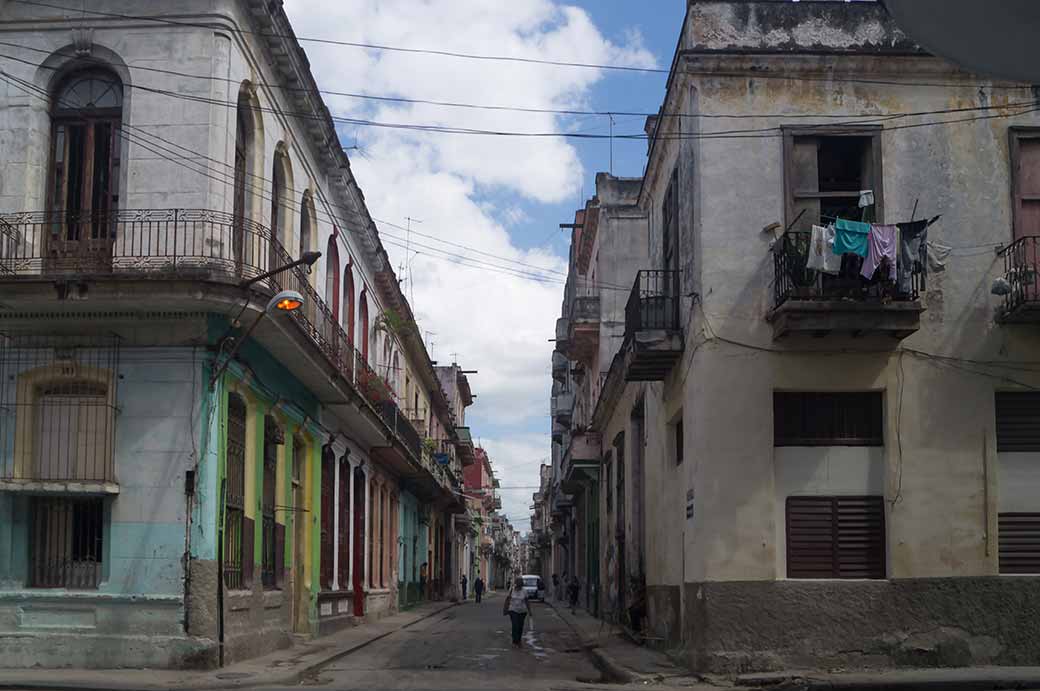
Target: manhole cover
{"points": [[234, 675]]}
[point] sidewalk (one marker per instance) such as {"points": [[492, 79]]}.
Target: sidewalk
{"points": [[285, 667], [620, 660], [617, 657]]}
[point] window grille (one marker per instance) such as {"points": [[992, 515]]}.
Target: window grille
{"points": [[235, 542], [805, 418], [273, 438], [67, 538]]}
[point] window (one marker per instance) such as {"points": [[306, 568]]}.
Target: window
{"points": [[332, 278], [237, 544], [306, 221], [1018, 518], [348, 300], [608, 481], [67, 539], [670, 223], [826, 168], [328, 478], [835, 537], [363, 317], [1025, 181], [73, 435], [679, 441], [85, 163], [248, 143], [273, 438], [828, 419]]}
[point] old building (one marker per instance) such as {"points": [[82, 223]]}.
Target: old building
{"points": [[203, 443], [800, 467]]}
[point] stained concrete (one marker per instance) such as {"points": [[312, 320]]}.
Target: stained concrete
{"points": [[938, 622]]}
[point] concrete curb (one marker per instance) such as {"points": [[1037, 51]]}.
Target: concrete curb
{"points": [[612, 671], [290, 677], [911, 680]]}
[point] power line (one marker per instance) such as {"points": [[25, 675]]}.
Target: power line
{"points": [[508, 108], [366, 46]]}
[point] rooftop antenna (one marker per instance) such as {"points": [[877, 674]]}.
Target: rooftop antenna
{"points": [[407, 251]]}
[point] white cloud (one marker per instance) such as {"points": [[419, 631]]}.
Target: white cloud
{"points": [[498, 324], [516, 459]]}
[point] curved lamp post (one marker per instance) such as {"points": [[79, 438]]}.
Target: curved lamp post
{"points": [[283, 303]]}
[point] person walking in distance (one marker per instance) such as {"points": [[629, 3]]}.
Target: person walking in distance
{"points": [[478, 588], [517, 608], [464, 582], [556, 586], [573, 588]]}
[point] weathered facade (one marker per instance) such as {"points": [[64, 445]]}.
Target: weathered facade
{"points": [[819, 471], [187, 476]]}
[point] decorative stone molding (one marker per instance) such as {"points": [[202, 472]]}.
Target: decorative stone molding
{"points": [[83, 42]]}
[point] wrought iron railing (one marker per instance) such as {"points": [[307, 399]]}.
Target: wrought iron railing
{"points": [[793, 280], [653, 303], [192, 244], [1022, 272]]}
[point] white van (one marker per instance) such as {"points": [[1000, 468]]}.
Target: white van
{"points": [[534, 587]]}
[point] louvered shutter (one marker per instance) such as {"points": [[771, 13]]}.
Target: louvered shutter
{"points": [[1019, 543], [1018, 421], [835, 537], [802, 175]]}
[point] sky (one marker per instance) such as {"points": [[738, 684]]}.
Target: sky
{"points": [[501, 198]]}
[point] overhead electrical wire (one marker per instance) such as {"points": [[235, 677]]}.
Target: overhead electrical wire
{"points": [[162, 153], [354, 44]]}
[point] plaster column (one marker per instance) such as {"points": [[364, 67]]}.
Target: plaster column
{"points": [[335, 528], [350, 525], [365, 522]]}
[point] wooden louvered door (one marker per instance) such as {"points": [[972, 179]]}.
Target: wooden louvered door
{"points": [[1018, 432], [836, 537]]}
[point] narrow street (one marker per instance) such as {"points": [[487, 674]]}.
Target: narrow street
{"points": [[466, 647]]}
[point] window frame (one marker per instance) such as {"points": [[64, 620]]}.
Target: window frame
{"points": [[826, 401], [853, 534], [64, 508], [235, 551], [273, 437], [1015, 136], [792, 132]]}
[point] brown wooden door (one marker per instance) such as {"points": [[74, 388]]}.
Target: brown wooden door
{"points": [[86, 161]]}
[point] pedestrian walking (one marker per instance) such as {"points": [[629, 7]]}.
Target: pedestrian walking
{"points": [[517, 608], [573, 588], [556, 587], [478, 588], [465, 582]]}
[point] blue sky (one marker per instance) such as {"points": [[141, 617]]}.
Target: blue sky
{"points": [[501, 198]]}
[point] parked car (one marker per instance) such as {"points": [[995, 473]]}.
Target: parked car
{"points": [[534, 587]]}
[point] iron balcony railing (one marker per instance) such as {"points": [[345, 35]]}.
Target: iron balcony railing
{"points": [[653, 303], [793, 280], [187, 244], [1021, 264]]}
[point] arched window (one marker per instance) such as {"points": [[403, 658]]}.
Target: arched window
{"points": [[363, 318], [235, 536], [348, 295], [281, 193], [248, 142], [306, 223], [86, 117], [332, 278]]}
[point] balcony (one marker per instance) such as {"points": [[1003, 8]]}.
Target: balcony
{"points": [[192, 249], [563, 407], [464, 446], [581, 462], [558, 431], [808, 302], [563, 334], [583, 331], [1021, 263], [561, 366], [653, 332]]}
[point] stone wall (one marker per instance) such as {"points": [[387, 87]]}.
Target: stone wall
{"points": [[935, 622]]}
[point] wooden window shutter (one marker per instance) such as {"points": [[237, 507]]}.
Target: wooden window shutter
{"points": [[802, 176], [809, 418], [1025, 176], [328, 474], [1019, 543], [835, 537], [1018, 421]]}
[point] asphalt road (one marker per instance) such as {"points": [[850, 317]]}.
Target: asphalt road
{"points": [[466, 647]]}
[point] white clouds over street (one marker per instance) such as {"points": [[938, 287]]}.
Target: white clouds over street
{"points": [[468, 189]]}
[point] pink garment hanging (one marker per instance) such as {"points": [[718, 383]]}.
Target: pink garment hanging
{"points": [[882, 243]]}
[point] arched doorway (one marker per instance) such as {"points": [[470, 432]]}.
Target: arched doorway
{"points": [[358, 566]]}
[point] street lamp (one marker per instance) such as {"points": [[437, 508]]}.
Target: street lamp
{"points": [[284, 302]]}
